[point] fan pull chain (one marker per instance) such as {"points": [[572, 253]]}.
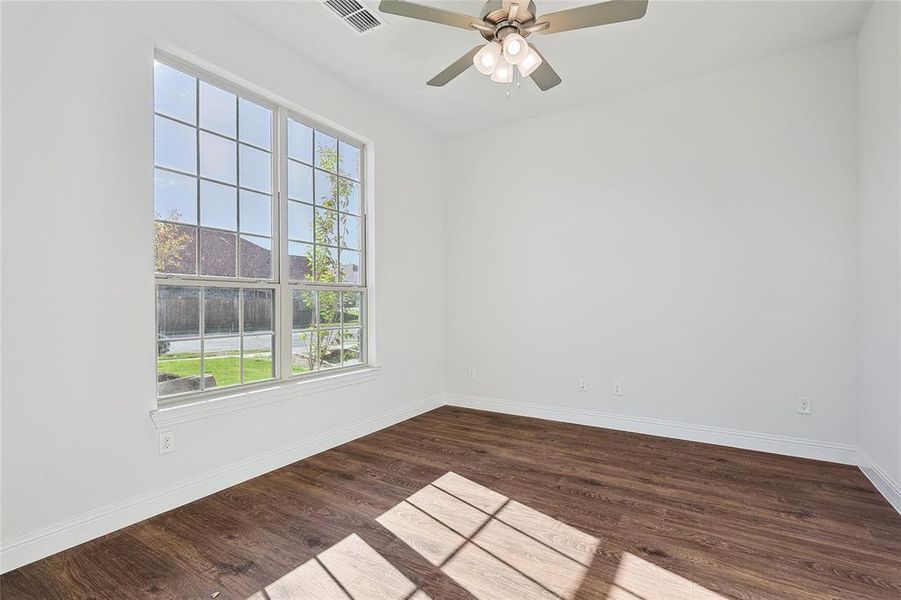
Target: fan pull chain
{"points": [[516, 83]]}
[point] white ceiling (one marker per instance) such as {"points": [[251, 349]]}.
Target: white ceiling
{"points": [[674, 40]]}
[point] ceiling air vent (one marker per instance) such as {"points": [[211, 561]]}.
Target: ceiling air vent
{"points": [[355, 14]]}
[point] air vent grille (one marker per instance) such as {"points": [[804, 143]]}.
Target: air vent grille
{"points": [[363, 20], [344, 8], [355, 15]]}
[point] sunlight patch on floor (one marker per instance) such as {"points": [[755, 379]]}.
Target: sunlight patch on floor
{"points": [[492, 546], [349, 570], [638, 579]]}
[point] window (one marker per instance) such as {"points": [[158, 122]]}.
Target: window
{"points": [[259, 239]]}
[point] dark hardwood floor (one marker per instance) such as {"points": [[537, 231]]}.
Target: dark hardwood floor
{"points": [[619, 515]]}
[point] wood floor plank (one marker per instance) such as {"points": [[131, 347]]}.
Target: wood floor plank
{"points": [[458, 504]]}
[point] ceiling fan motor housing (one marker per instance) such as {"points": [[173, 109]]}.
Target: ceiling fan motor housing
{"points": [[495, 14]]}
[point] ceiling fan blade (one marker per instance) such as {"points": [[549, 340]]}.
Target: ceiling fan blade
{"points": [[545, 77], [454, 69], [427, 13], [603, 13]]}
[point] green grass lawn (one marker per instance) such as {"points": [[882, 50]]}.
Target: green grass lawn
{"points": [[226, 369]]}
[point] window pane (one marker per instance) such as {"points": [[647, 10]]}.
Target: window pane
{"points": [[350, 267], [326, 227], [350, 160], [349, 196], [214, 218], [351, 304], [256, 257], [258, 363], [326, 264], [218, 158], [217, 253], [304, 354], [326, 152], [175, 249], [174, 197], [300, 142], [218, 205], [304, 304], [350, 345], [220, 311], [218, 110], [350, 232], [325, 189], [328, 303], [174, 145], [329, 348], [300, 261], [177, 312], [256, 169], [300, 182], [222, 362], [300, 221], [255, 124], [177, 367], [258, 310], [174, 93], [256, 213]]}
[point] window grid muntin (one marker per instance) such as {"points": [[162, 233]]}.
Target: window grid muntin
{"points": [[238, 187], [361, 252], [240, 334], [315, 327], [282, 336]]}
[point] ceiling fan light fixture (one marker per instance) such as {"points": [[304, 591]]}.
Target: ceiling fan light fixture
{"points": [[515, 48], [503, 72], [503, 24], [531, 62], [487, 58]]}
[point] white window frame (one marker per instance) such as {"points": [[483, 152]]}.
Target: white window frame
{"points": [[202, 402]]}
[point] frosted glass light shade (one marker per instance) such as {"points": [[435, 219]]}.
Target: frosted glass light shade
{"points": [[487, 58], [531, 62], [515, 48], [503, 72]]}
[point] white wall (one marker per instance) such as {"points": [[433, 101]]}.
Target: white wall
{"points": [[77, 257], [697, 241], [880, 236]]}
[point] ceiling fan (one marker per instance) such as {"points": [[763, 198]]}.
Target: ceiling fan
{"points": [[505, 24]]}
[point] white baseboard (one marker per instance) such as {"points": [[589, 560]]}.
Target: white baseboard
{"points": [[764, 442], [89, 525], [883, 482], [100, 521]]}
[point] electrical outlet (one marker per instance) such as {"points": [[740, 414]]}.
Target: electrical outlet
{"points": [[167, 442], [472, 373], [583, 385], [805, 405], [618, 388]]}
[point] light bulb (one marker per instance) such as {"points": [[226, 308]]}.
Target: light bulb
{"points": [[515, 48], [503, 72], [487, 58], [531, 62]]}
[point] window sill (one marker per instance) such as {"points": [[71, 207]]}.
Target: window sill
{"points": [[168, 416]]}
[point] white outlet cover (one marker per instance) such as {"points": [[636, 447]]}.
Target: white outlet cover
{"points": [[583, 385], [471, 373], [805, 405], [167, 442]]}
